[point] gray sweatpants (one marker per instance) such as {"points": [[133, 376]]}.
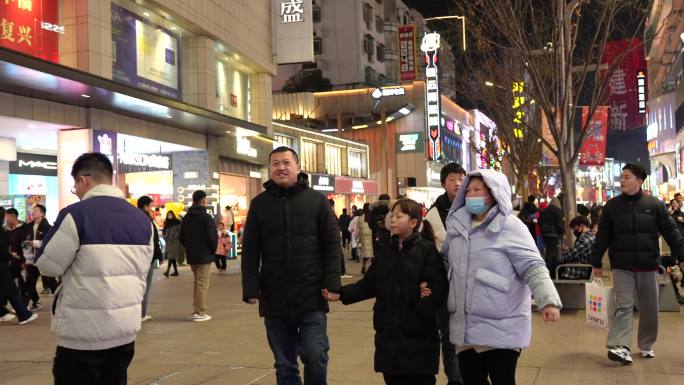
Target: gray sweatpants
{"points": [[645, 285]]}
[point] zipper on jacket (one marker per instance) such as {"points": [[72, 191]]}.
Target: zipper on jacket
{"points": [[286, 222], [634, 232]]}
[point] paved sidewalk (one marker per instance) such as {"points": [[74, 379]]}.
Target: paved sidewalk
{"points": [[231, 349]]}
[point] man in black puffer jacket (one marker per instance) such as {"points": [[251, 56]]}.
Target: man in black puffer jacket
{"points": [[199, 236], [629, 229], [291, 251]]}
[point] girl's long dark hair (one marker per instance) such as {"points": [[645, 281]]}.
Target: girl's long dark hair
{"points": [[415, 211], [172, 221]]}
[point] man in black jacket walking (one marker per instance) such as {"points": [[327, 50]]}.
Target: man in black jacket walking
{"points": [[629, 229], [291, 251], [199, 236]]}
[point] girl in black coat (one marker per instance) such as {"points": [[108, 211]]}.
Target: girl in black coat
{"points": [[409, 282]]}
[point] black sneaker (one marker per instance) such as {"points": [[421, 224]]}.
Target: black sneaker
{"points": [[36, 306]]}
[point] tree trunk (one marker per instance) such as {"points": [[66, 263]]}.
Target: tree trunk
{"points": [[569, 198]]}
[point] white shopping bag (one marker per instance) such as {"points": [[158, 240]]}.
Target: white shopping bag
{"points": [[600, 304]]}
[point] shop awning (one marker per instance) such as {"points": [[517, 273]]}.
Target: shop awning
{"points": [[31, 77]]}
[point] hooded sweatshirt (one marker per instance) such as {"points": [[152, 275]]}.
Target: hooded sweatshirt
{"points": [[492, 267]]}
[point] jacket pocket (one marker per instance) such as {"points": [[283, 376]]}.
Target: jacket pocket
{"points": [[490, 296]]}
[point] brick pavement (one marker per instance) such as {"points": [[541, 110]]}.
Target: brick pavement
{"points": [[231, 349]]}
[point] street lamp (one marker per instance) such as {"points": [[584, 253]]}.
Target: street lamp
{"points": [[463, 25]]}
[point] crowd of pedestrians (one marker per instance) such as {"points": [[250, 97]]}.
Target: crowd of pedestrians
{"points": [[458, 279]]}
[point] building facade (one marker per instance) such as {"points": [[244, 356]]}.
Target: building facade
{"points": [[356, 45], [663, 46], [177, 93]]}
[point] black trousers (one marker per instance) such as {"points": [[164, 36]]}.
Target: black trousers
{"points": [[32, 275], [346, 238], [552, 253], [169, 263], [499, 365], [93, 367], [220, 261], [393, 379]]}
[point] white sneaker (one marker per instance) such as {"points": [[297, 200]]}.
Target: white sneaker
{"points": [[7, 317], [621, 355], [201, 318], [647, 354], [29, 319], [196, 316], [347, 276], [146, 318]]}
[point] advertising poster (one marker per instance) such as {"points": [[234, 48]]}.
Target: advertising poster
{"points": [[407, 53], [145, 55], [593, 149], [30, 27], [622, 90]]}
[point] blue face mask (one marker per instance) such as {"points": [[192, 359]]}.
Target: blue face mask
{"points": [[476, 205]]}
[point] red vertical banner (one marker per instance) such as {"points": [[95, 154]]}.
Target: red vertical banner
{"points": [[593, 148], [30, 27], [407, 53], [622, 89]]}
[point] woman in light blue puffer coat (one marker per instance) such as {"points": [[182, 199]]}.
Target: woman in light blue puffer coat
{"points": [[493, 263]]}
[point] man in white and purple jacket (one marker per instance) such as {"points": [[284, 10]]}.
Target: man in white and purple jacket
{"points": [[102, 247]]}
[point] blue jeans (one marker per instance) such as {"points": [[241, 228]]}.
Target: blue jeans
{"points": [[305, 337]]}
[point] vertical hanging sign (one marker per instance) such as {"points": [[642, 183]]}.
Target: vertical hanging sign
{"points": [[293, 31], [407, 53], [430, 45]]}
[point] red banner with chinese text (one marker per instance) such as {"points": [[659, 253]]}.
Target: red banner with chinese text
{"points": [[407, 53], [622, 92], [30, 27], [593, 148]]}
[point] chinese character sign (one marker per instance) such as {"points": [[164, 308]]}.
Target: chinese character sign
{"points": [[30, 27], [433, 108], [407, 53], [292, 11], [622, 92], [593, 148], [293, 31], [518, 92]]}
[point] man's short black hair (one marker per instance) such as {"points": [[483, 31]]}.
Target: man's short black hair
{"points": [[344, 211], [41, 208], [94, 164], [384, 197], [531, 199], [144, 201], [451, 168], [197, 196], [12, 211], [332, 202], [678, 195], [284, 149], [579, 220], [638, 170]]}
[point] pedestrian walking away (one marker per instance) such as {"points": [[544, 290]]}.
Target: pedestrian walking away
{"points": [[489, 298], [629, 229], [145, 204], [199, 237], [409, 282], [552, 232], [103, 247], [291, 228], [171, 235]]}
